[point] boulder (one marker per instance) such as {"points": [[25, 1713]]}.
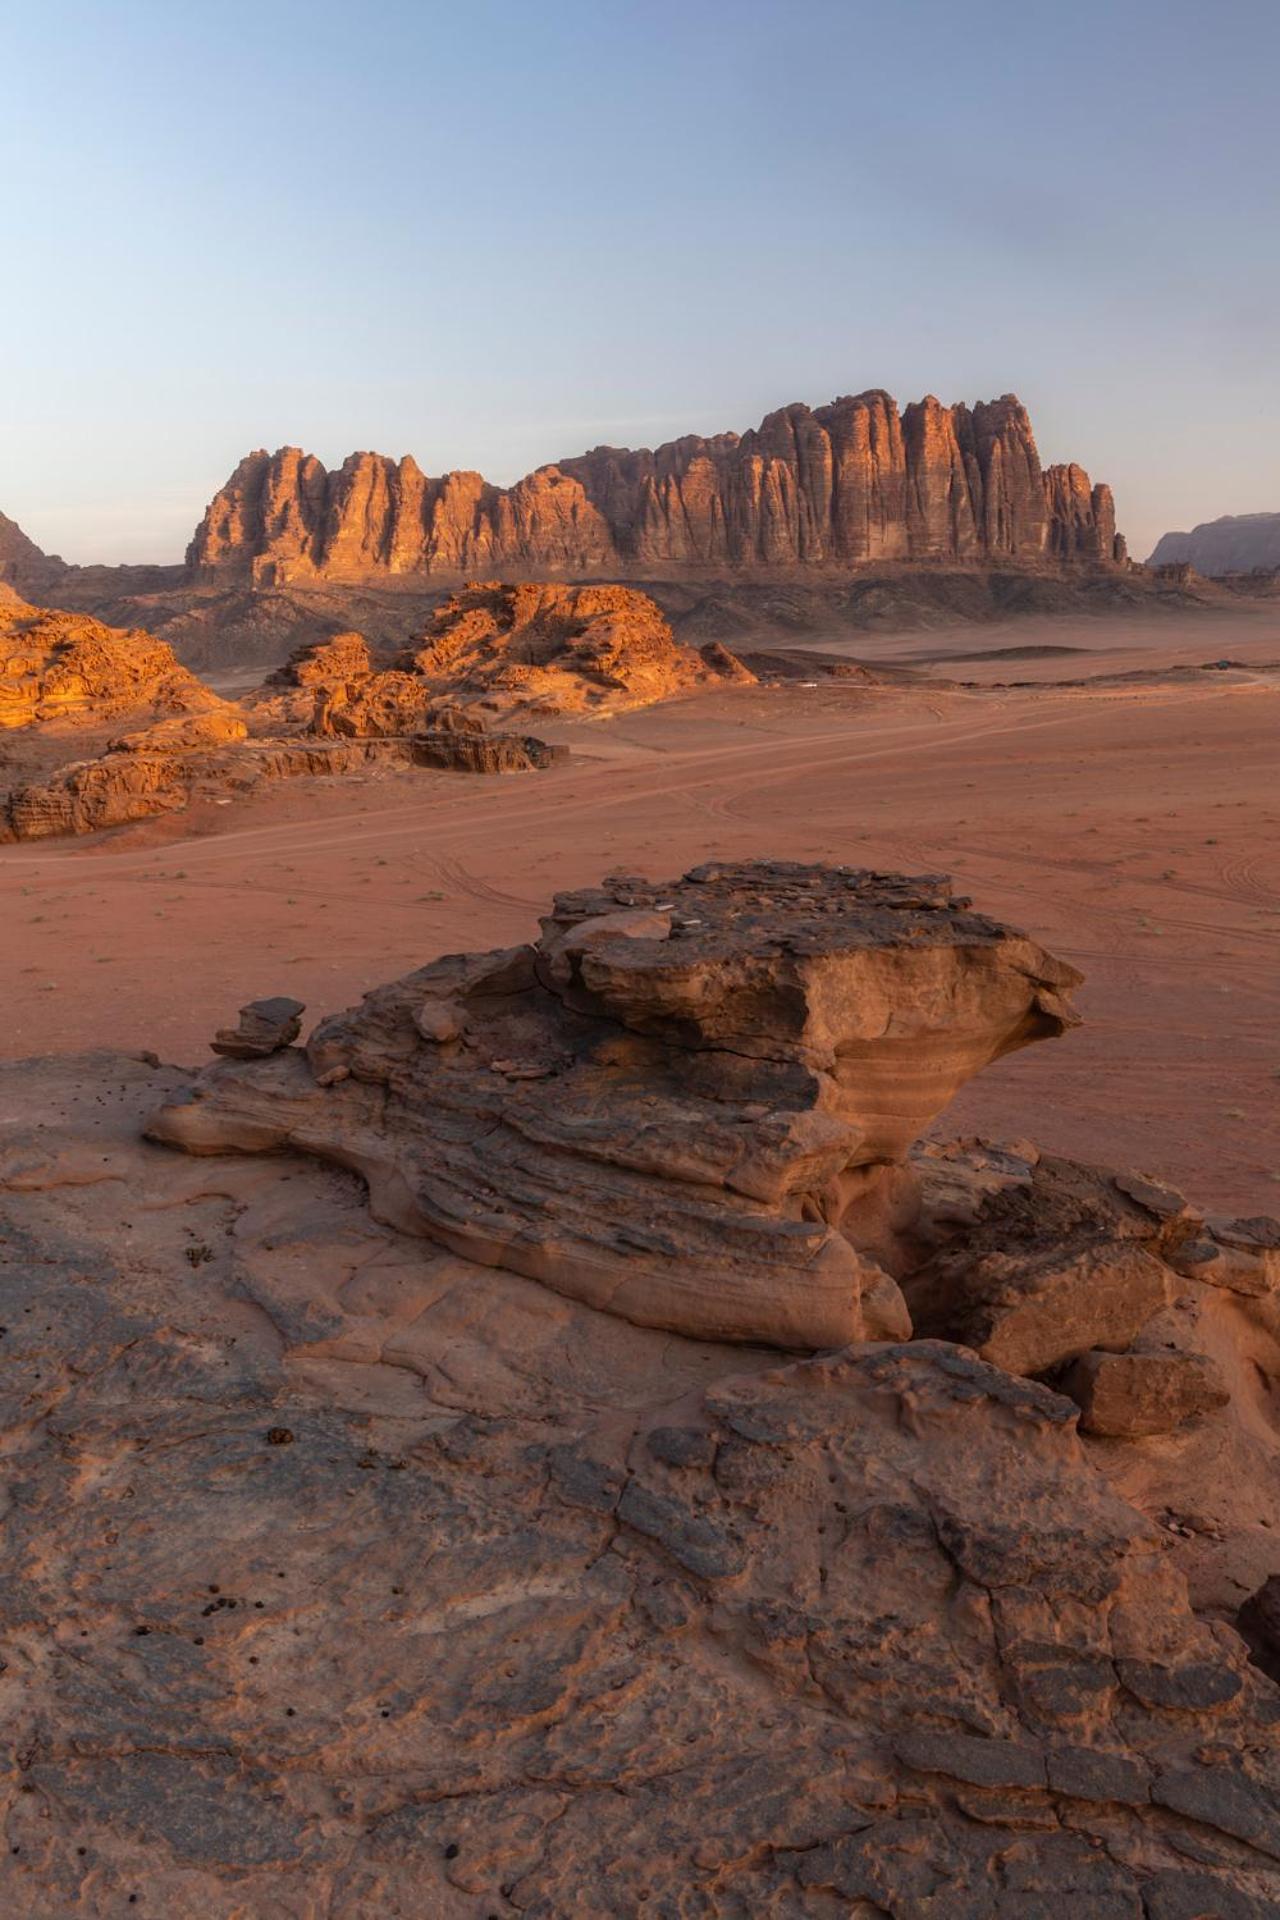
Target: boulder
{"points": [[690, 1104], [265, 1027], [1242, 1256], [1129, 1395], [1039, 1265]]}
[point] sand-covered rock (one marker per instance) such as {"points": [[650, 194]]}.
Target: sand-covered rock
{"points": [[690, 1104]]}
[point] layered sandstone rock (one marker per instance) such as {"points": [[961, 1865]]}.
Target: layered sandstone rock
{"points": [[65, 668], [150, 773], [688, 1104], [555, 649], [350, 1576], [331, 710], [836, 487]]}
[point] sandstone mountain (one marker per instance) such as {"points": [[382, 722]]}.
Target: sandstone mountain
{"points": [[835, 487], [363, 1567], [1237, 543]]}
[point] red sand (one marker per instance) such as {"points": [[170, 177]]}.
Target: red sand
{"points": [[1133, 831]]}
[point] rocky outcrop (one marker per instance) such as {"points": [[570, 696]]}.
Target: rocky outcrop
{"points": [[22, 565], [351, 1576], [149, 773], [1237, 543], [836, 487], [331, 710], [689, 1104], [1082, 519], [554, 649], [68, 669]]}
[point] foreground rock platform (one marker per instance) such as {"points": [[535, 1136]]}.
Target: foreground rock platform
{"points": [[347, 1577], [689, 1103]]}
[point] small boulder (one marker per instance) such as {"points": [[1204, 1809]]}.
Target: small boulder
{"points": [[266, 1027], [1242, 1256], [1030, 1309], [1127, 1395]]}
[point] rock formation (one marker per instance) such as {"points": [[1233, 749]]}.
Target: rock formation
{"points": [[557, 649], [331, 712], [348, 1575], [690, 1104], [66, 668], [1237, 543], [22, 565], [835, 487]]}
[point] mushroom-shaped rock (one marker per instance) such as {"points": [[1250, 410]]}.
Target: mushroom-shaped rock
{"points": [[688, 1104]]}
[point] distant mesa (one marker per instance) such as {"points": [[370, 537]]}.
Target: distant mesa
{"points": [[1237, 543], [835, 487]]}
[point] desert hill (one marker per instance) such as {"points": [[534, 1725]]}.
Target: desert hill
{"points": [[1237, 543]]}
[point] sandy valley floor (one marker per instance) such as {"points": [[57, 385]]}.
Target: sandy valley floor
{"points": [[1132, 826]]}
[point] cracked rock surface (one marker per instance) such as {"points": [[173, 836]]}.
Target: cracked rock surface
{"points": [[344, 1576]]}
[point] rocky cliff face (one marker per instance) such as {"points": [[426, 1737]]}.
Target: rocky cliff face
{"points": [[1237, 543], [22, 564], [844, 484]]}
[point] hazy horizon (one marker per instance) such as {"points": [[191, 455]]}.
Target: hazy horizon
{"points": [[494, 240]]}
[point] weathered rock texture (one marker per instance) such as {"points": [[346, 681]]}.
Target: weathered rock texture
{"points": [[66, 668], [557, 649], [689, 1104], [331, 711], [346, 1577], [1238, 543], [848, 483]]}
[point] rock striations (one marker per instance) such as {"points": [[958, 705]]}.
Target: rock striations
{"points": [[353, 1574], [834, 487], [689, 1104]]}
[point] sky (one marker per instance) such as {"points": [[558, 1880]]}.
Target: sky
{"points": [[495, 233]]}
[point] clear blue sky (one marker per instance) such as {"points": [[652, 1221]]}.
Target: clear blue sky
{"points": [[494, 232]]}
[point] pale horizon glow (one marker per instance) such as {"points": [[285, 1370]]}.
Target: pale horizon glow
{"points": [[495, 236]]}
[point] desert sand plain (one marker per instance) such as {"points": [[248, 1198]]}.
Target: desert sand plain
{"points": [[1077, 776]]}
